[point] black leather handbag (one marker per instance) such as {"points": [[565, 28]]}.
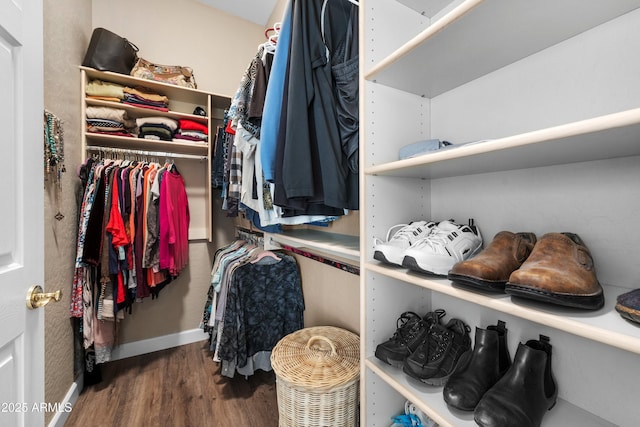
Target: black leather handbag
{"points": [[108, 51]]}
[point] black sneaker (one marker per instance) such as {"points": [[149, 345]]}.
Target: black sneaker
{"points": [[444, 348], [411, 331]]}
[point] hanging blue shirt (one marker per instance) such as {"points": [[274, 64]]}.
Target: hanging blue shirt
{"points": [[273, 99]]}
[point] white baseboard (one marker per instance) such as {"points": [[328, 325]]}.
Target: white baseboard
{"points": [[150, 345], [67, 403]]}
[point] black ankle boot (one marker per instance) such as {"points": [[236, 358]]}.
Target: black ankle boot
{"points": [[489, 362], [523, 395]]}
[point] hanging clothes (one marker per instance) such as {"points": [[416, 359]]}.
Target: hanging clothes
{"points": [[312, 140], [129, 210], [255, 185], [345, 71], [275, 98], [222, 141], [173, 223], [294, 159], [252, 303]]}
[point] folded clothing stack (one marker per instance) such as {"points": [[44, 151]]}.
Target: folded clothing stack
{"points": [[145, 98], [105, 91], [192, 131], [112, 121], [137, 96], [157, 128]]}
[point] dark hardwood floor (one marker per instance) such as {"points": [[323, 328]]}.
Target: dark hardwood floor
{"points": [[176, 387]]}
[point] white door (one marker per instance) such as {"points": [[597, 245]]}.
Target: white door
{"points": [[21, 212]]}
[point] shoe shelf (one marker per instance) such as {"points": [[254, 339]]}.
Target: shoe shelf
{"points": [[541, 102], [478, 37], [604, 325], [568, 143], [430, 401], [335, 244]]}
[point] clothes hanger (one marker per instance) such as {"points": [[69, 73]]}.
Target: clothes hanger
{"points": [[173, 166], [275, 29], [265, 254], [269, 47], [267, 31]]}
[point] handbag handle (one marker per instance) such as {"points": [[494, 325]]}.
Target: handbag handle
{"points": [[132, 45]]}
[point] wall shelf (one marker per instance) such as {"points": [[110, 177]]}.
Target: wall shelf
{"points": [[429, 400], [173, 92], [135, 112], [569, 143], [334, 244], [604, 325], [478, 37]]}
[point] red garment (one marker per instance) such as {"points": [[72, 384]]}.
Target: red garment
{"points": [[116, 225], [118, 232], [174, 223], [121, 289], [187, 124], [229, 129]]}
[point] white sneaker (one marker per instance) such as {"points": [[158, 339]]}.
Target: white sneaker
{"points": [[399, 238], [447, 244]]}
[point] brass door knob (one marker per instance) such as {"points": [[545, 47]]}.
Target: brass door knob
{"points": [[37, 298]]}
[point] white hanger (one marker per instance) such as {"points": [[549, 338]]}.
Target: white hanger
{"points": [[354, 2], [266, 254], [270, 45]]}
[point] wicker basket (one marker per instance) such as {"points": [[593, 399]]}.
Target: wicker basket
{"points": [[317, 372]]}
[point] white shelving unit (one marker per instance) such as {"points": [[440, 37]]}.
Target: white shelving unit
{"points": [[551, 89], [182, 101], [334, 244]]}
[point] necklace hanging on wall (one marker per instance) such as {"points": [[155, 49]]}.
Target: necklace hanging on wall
{"points": [[54, 155]]}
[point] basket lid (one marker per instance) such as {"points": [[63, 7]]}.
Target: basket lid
{"points": [[320, 357]]}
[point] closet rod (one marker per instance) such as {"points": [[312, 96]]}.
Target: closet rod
{"points": [[250, 235], [349, 268], [240, 229], [144, 152]]}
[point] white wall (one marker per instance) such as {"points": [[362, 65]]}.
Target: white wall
{"points": [[218, 46]]}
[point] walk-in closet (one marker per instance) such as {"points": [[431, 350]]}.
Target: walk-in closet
{"points": [[121, 134], [376, 213]]}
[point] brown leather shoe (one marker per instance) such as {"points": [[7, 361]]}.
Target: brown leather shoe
{"points": [[560, 270], [491, 268]]}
